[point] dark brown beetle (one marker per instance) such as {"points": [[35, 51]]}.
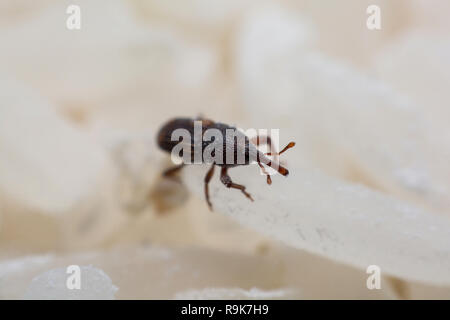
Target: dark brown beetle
{"points": [[248, 149]]}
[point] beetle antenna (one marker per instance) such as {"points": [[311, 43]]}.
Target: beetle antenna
{"points": [[281, 170], [274, 164], [289, 145]]}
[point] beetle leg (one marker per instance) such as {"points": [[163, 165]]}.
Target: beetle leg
{"points": [[170, 172], [226, 180], [269, 179], [208, 177]]}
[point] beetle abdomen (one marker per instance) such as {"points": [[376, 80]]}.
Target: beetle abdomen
{"points": [[164, 137]]}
